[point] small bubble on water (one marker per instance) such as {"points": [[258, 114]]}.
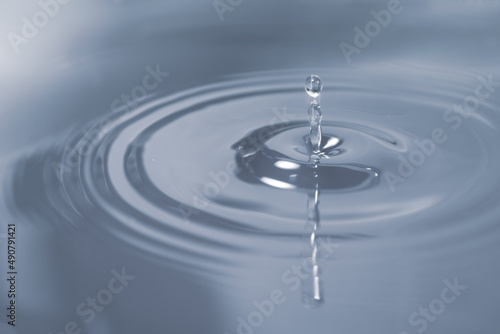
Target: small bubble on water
{"points": [[313, 85]]}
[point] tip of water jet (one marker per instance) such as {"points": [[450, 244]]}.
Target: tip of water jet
{"points": [[313, 85]]}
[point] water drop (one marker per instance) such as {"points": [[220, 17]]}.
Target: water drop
{"points": [[313, 86]]}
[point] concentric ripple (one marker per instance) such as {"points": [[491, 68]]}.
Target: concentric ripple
{"points": [[220, 172]]}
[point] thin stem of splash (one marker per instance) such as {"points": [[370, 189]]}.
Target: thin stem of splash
{"points": [[312, 295]]}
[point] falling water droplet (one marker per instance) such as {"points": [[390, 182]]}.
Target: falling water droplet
{"points": [[313, 86]]}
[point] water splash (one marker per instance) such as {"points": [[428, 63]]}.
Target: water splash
{"points": [[211, 234]]}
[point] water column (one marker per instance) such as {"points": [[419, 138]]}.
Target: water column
{"points": [[311, 287]]}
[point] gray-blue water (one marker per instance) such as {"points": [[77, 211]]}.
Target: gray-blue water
{"points": [[167, 172]]}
